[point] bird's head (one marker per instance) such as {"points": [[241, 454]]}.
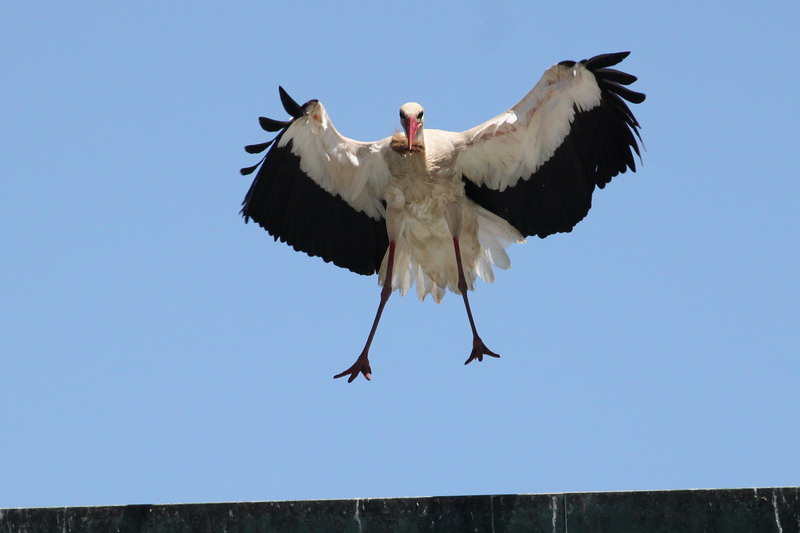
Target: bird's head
{"points": [[412, 121]]}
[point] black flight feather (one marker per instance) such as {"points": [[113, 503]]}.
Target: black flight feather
{"points": [[270, 124], [291, 107]]}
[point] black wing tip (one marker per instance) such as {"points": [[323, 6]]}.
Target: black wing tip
{"points": [[615, 75], [612, 80], [604, 60], [257, 148], [246, 171], [632, 96], [291, 107], [272, 125], [600, 61]]}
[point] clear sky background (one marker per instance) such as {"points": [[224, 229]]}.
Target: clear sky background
{"points": [[155, 349]]}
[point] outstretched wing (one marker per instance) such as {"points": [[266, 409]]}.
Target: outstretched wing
{"points": [[537, 164], [319, 191]]}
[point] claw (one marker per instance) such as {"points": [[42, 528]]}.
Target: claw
{"points": [[479, 349], [361, 366]]}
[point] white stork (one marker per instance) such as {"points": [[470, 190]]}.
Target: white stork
{"points": [[438, 208]]}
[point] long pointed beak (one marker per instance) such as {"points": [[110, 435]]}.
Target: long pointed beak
{"points": [[411, 131]]}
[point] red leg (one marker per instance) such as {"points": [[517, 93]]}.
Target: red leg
{"points": [[361, 366], [479, 349]]}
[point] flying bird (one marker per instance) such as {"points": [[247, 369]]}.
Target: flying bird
{"points": [[437, 209]]}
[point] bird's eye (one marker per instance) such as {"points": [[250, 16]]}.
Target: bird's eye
{"points": [[402, 116], [419, 115]]}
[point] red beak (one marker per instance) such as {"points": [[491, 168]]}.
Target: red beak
{"points": [[411, 131]]}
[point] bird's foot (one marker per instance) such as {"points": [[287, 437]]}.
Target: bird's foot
{"points": [[361, 366], [479, 349]]}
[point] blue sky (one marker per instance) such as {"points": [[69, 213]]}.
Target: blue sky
{"points": [[155, 349]]}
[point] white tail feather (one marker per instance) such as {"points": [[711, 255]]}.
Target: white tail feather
{"points": [[494, 236]]}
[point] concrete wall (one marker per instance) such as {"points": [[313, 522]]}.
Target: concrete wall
{"points": [[729, 511]]}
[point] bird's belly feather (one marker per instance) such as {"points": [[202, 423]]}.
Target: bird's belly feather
{"points": [[424, 250]]}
